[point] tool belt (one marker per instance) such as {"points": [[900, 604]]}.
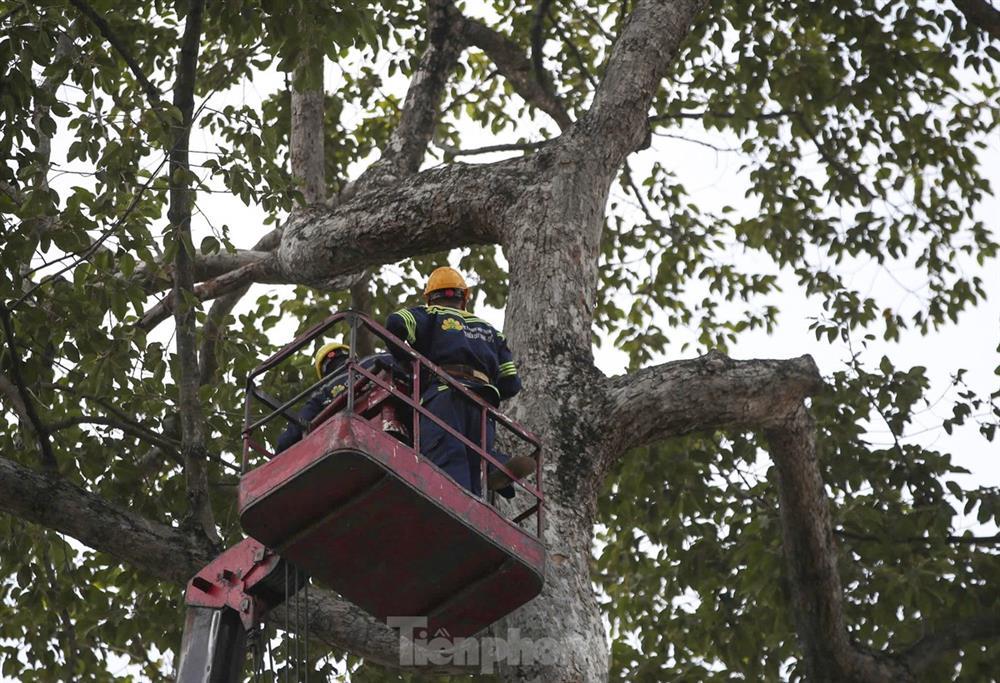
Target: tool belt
{"points": [[466, 372]]}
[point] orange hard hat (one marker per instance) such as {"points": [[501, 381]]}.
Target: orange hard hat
{"points": [[445, 278]]}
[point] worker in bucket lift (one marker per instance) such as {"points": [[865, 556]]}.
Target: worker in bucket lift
{"points": [[474, 353], [329, 362]]}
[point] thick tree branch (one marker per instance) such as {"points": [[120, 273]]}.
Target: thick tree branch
{"points": [[980, 13], [711, 392], [516, 67], [235, 283], [639, 59], [205, 266], [26, 406], [948, 637], [231, 282], [306, 144], [163, 551], [172, 554], [193, 431], [212, 333], [407, 145], [714, 392], [811, 561], [437, 209], [215, 328]]}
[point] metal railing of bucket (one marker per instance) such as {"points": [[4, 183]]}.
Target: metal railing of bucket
{"points": [[358, 377]]}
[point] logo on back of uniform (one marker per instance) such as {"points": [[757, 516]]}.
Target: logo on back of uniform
{"points": [[451, 324]]}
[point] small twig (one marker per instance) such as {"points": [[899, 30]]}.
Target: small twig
{"points": [[126, 426], [577, 56], [763, 116], [831, 159], [44, 438], [151, 91], [695, 141], [638, 195]]}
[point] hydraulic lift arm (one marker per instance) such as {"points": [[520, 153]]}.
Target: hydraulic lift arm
{"points": [[225, 600]]}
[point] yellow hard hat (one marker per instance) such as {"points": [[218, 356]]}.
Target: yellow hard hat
{"points": [[327, 351], [445, 278]]}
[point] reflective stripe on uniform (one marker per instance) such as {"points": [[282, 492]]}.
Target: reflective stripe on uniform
{"points": [[411, 325]]}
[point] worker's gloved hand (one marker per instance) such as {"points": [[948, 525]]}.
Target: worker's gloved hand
{"points": [[498, 481]]}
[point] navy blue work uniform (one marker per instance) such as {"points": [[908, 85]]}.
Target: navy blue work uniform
{"points": [[475, 354], [335, 384]]}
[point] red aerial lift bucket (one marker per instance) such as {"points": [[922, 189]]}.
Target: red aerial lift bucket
{"points": [[366, 515]]}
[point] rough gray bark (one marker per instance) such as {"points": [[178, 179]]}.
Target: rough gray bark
{"points": [[307, 138]]}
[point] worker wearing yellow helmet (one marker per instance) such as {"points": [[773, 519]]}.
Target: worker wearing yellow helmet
{"points": [[473, 352], [328, 362], [330, 358]]}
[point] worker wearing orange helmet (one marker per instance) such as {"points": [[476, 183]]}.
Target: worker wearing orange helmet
{"points": [[476, 354]]}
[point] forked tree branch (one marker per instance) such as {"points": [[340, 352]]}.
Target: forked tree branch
{"points": [[401, 157], [639, 59], [230, 282], [715, 392], [516, 67], [235, 282], [407, 144], [448, 31], [817, 595], [711, 392]]}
